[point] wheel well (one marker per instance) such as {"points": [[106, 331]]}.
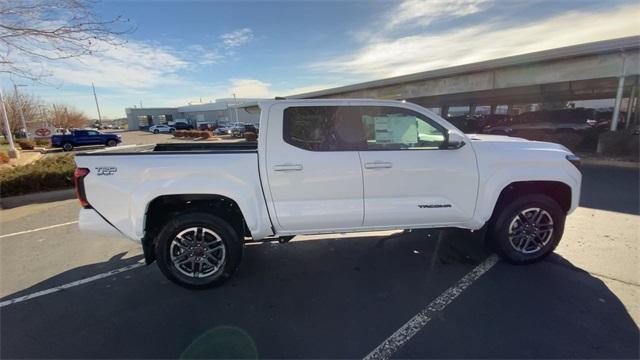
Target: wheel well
{"points": [[164, 208], [556, 190]]}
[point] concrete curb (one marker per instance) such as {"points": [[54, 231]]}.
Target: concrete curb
{"points": [[614, 163], [37, 198]]}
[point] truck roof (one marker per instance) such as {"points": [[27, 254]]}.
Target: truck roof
{"points": [[363, 101]]}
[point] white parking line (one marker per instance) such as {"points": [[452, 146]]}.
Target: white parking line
{"points": [[71, 284], [38, 229], [408, 330]]}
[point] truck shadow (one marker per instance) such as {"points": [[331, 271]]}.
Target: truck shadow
{"points": [[328, 298]]}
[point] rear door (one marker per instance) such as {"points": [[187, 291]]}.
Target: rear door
{"points": [[314, 176], [409, 178]]}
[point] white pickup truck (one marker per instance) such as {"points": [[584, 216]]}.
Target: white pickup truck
{"points": [[326, 166]]}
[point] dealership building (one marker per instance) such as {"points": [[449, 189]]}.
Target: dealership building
{"points": [[220, 112]]}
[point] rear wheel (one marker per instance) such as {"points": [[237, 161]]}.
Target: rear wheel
{"points": [[112, 143], [156, 131], [67, 146], [198, 250], [528, 229]]}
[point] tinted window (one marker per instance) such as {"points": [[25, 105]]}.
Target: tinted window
{"points": [[92, 133], [349, 128], [323, 128]]}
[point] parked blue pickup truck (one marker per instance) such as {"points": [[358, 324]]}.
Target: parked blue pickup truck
{"points": [[84, 138]]}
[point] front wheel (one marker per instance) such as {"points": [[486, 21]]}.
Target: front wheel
{"points": [[198, 250], [67, 147], [111, 143], [156, 131], [528, 229]]}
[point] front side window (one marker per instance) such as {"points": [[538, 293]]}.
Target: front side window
{"points": [[359, 128], [92, 133], [393, 128]]}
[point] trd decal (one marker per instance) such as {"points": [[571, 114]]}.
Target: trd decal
{"points": [[107, 170], [434, 206]]}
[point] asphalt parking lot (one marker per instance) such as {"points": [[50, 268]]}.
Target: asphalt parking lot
{"points": [[337, 296]]}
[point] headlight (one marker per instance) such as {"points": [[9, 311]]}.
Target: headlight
{"points": [[575, 160]]}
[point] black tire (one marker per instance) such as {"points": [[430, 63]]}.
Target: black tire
{"points": [[111, 143], [156, 131], [233, 249], [172, 130], [538, 248], [67, 146]]}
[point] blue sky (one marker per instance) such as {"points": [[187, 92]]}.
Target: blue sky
{"points": [[186, 51]]}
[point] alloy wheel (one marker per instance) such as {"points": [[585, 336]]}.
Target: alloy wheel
{"points": [[530, 230], [198, 252]]}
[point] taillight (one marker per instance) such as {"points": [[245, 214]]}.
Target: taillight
{"points": [[78, 179]]}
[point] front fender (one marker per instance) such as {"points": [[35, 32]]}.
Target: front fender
{"points": [[492, 186]]}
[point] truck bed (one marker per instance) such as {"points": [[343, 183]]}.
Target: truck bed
{"points": [[178, 148]]}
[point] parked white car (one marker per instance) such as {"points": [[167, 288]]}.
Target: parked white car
{"points": [[156, 129], [327, 166]]}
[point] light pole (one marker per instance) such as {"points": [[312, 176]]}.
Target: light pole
{"points": [[236, 107], [24, 123], [97, 106], [7, 129]]}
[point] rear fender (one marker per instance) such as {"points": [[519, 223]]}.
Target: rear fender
{"points": [[248, 197]]}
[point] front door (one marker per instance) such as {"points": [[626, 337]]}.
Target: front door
{"points": [[409, 179], [314, 176]]}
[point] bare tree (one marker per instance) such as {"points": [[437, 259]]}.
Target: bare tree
{"points": [[66, 117], [33, 32], [31, 108]]}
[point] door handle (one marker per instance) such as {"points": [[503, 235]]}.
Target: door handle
{"points": [[378, 165], [287, 167]]}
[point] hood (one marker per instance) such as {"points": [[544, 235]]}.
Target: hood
{"points": [[495, 138], [503, 141]]}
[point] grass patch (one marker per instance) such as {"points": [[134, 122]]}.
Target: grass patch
{"points": [[53, 172]]}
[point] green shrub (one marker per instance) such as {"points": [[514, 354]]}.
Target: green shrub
{"points": [[250, 136], [26, 144], [4, 158], [43, 142], [53, 172]]}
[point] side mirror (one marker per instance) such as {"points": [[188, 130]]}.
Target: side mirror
{"points": [[454, 140]]}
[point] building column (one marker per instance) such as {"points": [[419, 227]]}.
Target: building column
{"points": [[493, 109], [444, 110], [619, 93], [630, 105], [636, 112], [472, 109], [616, 106]]}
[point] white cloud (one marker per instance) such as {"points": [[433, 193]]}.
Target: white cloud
{"points": [[204, 56], [410, 54], [134, 65], [237, 37], [249, 88], [423, 12]]}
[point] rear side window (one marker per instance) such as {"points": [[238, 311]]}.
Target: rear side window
{"points": [[360, 128], [323, 128]]}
